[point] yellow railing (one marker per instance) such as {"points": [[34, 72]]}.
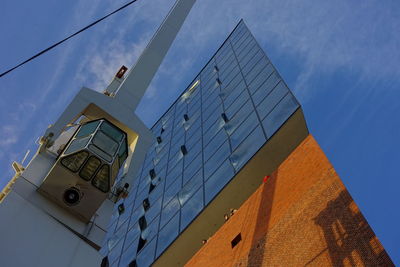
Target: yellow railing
{"points": [[4, 192]]}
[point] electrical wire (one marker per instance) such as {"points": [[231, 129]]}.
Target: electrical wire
{"points": [[67, 38]]}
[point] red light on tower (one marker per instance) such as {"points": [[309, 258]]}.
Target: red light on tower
{"points": [[265, 179]]}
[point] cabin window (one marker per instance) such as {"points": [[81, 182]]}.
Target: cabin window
{"points": [[111, 131], [90, 167], [87, 129], [75, 161], [102, 179], [77, 144], [122, 153], [105, 143]]}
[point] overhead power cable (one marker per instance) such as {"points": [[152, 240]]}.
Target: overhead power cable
{"points": [[67, 38]]}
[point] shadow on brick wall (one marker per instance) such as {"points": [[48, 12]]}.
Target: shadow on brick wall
{"points": [[256, 253], [350, 240]]}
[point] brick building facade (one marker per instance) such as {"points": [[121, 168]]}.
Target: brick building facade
{"points": [[300, 216]]}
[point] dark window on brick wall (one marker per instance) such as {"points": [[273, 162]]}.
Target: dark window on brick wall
{"points": [[236, 240]]}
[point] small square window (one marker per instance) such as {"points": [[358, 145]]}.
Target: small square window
{"points": [[184, 150], [186, 117], [236, 240], [159, 139]]}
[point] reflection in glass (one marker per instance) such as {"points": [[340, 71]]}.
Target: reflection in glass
{"points": [[216, 160], [248, 148], [111, 131], [169, 210], [102, 179], [192, 207], [190, 187], [89, 168], [272, 99], [105, 143], [75, 161], [218, 180], [243, 130], [87, 129], [167, 234], [146, 255], [280, 114], [77, 144]]}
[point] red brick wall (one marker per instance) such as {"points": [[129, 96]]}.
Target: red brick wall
{"points": [[303, 215]]}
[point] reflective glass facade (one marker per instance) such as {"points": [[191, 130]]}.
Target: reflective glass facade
{"points": [[231, 109]]}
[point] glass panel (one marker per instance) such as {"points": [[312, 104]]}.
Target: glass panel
{"points": [[234, 93], [192, 153], [168, 234], [176, 173], [77, 144], [256, 70], [215, 161], [250, 61], [105, 143], [75, 161], [122, 153], [251, 48], [146, 256], [112, 131], [172, 191], [169, 210], [244, 130], [239, 117], [248, 148], [129, 254], [90, 168], [218, 180], [100, 153], [280, 114], [210, 149], [192, 207], [87, 129], [114, 169], [115, 252], [155, 208], [213, 130], [136, 214], [272, 99], [157, 192], [151, 230], [102, 179], [237, 104], [266, 88], [192, 168], [261, 77], [190, 187]]}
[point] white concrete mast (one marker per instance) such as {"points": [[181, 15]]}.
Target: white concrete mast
{"points": [[37, 228]]}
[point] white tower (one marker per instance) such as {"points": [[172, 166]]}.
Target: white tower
{"points": [[54, 211]]}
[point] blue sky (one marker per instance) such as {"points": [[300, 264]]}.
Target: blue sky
{"points": [[340, 58]]}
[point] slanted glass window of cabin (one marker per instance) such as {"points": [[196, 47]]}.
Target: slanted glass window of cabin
{"points": [[90, 168], [87, 129], [122, 153], [102, 179], [111, 131], [105, 143], [75, 161]]}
